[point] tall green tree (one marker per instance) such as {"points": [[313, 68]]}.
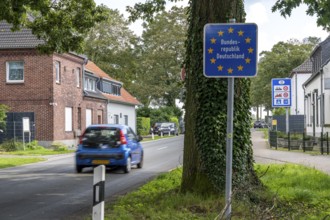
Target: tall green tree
{"points": [[278, 63], [319, 8], [114, 48], [206, 101], [62, 24], [162, 54]]}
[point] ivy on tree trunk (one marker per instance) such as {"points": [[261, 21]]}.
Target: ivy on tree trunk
{"points": [[204, 165]]}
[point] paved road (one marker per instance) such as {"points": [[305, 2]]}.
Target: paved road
{"points": [[263, 154], [52, 190]]}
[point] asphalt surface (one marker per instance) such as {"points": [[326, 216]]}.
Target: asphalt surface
{"points": [[51, 190], [264, 154]]}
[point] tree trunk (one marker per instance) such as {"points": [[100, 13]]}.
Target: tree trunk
{"points": [[204, 165]]}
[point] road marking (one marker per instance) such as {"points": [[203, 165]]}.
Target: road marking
{"points": [[162, 148]]}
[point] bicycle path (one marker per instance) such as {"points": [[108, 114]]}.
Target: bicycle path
{"points": [[264, 154]]}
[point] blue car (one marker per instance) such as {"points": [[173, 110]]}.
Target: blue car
{"points": [[112, 145]]}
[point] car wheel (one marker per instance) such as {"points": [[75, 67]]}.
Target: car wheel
{"points": [[79, 168], [140, 165], [128, 166]]}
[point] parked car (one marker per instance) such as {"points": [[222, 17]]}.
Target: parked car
{"points": [[168, 128], [112, 145], [260, 124], [156, 127]]}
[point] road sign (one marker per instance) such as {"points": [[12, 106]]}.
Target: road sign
{"points": [[281, 92], [230, 50]]}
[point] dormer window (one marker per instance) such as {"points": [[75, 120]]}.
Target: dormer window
{"points": [[90, 84], [111, 88]]}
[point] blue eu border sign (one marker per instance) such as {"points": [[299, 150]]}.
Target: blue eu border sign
{"points": [[281, 92], [230, 50]]}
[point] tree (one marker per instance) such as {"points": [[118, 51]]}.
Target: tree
{"points": [[205, 120], [114, 48], [162, 56], [278, 63], [62, 24], [318, 8]]}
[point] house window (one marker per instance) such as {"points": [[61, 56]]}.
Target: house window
{"points": [[58, 71], [126, 119], [78, 77], [15, 71], [116, 119], [88, 117], [68, 119], [89, 84], [115, 89], [79, 118]]}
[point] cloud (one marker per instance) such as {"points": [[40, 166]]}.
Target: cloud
{"points": [[257, 13]]}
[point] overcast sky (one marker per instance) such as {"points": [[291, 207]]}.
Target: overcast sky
{"points": [[272, 27]]}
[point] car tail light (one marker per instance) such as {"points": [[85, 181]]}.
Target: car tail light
{"points": [[122, 138], [81, 137]]}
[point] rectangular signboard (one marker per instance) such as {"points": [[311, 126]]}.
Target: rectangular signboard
{"points": [[230, 50], [281, 92]]}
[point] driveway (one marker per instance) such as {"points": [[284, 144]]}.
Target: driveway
{"points": [[264, 154]]}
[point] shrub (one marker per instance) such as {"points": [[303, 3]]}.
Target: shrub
{"points": [[57, 146], [11, 145], [143, 125], [281, 135], [33, 145]]}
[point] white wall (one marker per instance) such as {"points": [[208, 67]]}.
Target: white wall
{"points": [[326, 72], [122, 110], [297, 81], [310, 103]]}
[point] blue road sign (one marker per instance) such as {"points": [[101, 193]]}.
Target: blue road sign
{"points": [[281, 92], [230, 50]]}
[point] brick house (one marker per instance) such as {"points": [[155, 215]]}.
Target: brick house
{"points": [[121, 104], [47, 90]]}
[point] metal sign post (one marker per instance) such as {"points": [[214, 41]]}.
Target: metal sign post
{"points": [[230, 51]]}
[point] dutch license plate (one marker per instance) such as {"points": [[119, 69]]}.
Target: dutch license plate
{"points": [[100, 162]]}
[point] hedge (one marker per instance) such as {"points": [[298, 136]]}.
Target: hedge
{"points": [[143, 125]]}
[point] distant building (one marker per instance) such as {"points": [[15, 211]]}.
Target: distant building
{"points": [[298, 76], [317, 91]]}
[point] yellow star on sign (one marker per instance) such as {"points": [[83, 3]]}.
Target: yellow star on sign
{"points": [[240, 33], [220, 33], [213, 40], [248, 40], [210, 50], [220, 68], [250, 50], [213, 60], [231, 30], [240, 68], [230, 70], [247, 60]]}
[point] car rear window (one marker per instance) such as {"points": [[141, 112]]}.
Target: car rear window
{"points": [[100, 135]]}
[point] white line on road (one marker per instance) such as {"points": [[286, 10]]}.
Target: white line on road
{"points": [[162, 148]]}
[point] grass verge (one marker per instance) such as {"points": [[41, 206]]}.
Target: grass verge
{"points": [[37, 152], [17, 161], [290, 192]]}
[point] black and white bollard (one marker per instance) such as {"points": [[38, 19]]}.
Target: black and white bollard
{"points": [[98, 192]]}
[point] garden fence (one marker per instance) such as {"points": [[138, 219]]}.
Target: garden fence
{"points": [[14, 131], [300, 141]]}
